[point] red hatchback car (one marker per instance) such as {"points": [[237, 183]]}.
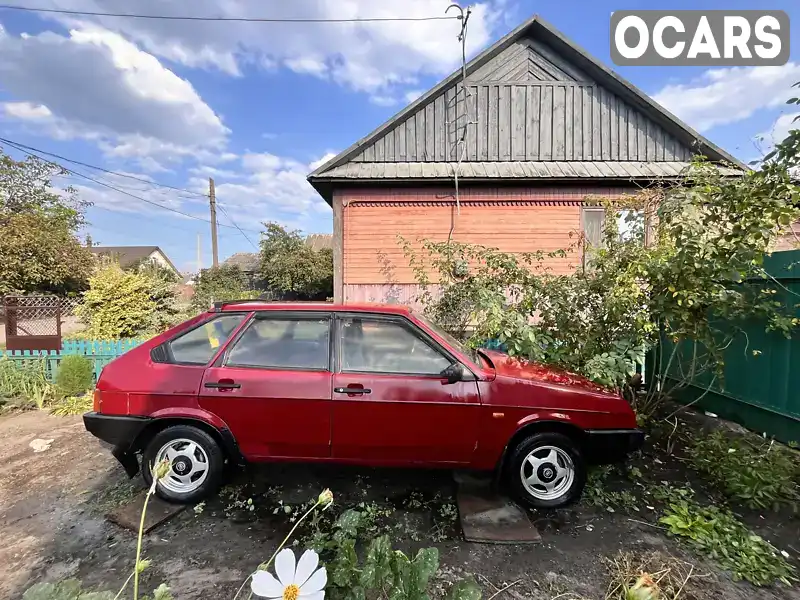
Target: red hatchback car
{"points": [[369, 385]]}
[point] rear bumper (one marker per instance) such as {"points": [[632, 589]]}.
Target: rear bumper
{"points": [[120, 431], [605, 446]]}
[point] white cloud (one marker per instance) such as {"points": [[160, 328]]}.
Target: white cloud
{"points": [[371, 57], [383, 100], [27, 111], [412, 95], [319, 162], [94, 84], [779, 130], [728, 95]]}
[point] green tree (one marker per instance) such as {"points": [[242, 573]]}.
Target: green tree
{"points": [[289, 266], [40, 251], [225, 282]]}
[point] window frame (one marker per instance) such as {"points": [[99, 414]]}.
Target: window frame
{"points": [[167, 345], [584, 245], [222, 359], [407, 324]]}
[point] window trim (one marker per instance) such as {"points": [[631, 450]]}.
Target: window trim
{"points": [[222, 359], [406, 324], [167, 344]]}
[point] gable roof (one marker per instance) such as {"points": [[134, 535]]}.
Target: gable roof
{"points": [[129, 256], [534, 52]]}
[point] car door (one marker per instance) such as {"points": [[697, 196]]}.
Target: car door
{"points": [[390, 403], [273, 386]]}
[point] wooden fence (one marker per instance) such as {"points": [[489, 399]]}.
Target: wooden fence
{"points": [[100, 352]]}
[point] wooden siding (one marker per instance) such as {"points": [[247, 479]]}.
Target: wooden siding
{"points": [[526, 104], [527, 60], [552, 121], [513, 220]]}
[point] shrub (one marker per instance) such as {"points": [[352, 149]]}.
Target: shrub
{"points": [[762, 476], [123, 303], [75, 375]]}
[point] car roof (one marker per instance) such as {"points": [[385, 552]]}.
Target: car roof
{"points": [[260, 305]]}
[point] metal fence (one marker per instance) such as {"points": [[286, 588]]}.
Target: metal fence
{"points": [[760, 385]]}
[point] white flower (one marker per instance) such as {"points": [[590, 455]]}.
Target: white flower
{"points": [[296, 581], [784, 553]]}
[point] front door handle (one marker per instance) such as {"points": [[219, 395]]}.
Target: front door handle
{"points": [[223, 385], [352, 390]]}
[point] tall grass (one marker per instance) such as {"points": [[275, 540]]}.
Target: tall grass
{"points": [[25, 384]]}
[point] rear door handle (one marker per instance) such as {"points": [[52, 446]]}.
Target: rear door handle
{"points": [[223, 386], [352, 390]]}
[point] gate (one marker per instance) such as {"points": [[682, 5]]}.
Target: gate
{"points": [[32, 322]]}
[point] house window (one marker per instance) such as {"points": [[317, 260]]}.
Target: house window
{"points": [[592, 219]]}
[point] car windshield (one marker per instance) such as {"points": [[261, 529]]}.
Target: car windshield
{"points": [[452, 340]]}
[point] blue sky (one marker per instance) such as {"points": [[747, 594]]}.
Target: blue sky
{"points": [[257, 106]]}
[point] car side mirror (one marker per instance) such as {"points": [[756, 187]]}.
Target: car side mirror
{"points": [[454, 373]]}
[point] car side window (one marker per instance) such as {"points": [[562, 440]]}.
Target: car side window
{"points": [[377, 346], [283, 343], [198, 346]]}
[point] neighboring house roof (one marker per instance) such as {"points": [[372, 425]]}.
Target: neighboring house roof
{"points": [[129, 256], [246, 261], [320, 241], [534, 98]]}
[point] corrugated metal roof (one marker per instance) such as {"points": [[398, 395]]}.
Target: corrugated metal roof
{"points": [[514, 170]]}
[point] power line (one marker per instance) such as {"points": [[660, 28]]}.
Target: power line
{"points": [[83, 164], [116, 189], [230, 218], [228, 19]]}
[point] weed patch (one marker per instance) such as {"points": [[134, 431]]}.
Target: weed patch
{"points": [[719, 535], [762, 476], [653, 576]]}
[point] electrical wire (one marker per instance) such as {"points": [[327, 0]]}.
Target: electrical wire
{"points": [[115, 173], [230, 218], [224, 19], [116, 189]]}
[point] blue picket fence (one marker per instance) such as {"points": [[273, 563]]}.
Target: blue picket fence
{"points": [[100, 352]]}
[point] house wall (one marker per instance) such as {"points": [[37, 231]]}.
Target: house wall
{"points": [[159, 258], [373, 266]]}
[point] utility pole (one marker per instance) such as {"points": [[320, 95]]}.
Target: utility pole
{"points": [[199, 255], [213, 201]]}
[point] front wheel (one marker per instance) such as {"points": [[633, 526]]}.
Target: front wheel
{"points": [[546, 470], [196, 463]]}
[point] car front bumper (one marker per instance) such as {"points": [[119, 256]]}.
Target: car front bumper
{"points": [[605, 446], [120, 432]]}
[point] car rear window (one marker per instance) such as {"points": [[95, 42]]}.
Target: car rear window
{"points": [[198, 346]]}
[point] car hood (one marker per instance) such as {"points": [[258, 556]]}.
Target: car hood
{"points": [[515, 368]]}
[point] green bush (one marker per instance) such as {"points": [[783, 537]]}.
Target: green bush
{"points": [[75, 375], [761, 475], [122, 304]]}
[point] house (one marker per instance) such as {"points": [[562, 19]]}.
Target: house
{"points": [[538, 126], [131, 256]]}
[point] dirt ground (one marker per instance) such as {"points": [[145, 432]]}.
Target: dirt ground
{"points": [[52, 507]]}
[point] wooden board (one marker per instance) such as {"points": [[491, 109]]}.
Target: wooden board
{"points": [[487, 517], [129, 514]]}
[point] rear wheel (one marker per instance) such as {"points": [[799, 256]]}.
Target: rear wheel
{"points": [[546, 470], [196, 463]]}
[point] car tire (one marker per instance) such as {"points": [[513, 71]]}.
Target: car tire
{"points": [[546, 470], [197, 464]]}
